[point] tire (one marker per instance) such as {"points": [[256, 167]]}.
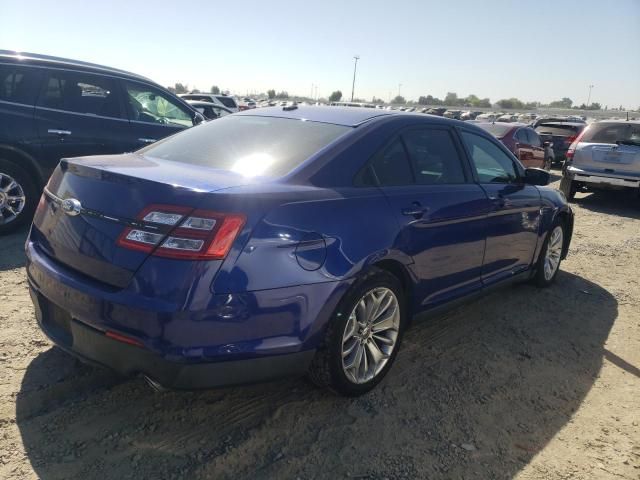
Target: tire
{"points": [[552, 246], [568, 187], [328, 366], [547, 164], [15, 182]]}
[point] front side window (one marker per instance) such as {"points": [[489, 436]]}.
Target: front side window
{"points": [[434, 156], [80, 93], [19, 84], [149, 105], [492, 165], [227, 101]]}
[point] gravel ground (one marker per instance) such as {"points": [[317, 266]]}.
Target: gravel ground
{"points": [[525, 383]]}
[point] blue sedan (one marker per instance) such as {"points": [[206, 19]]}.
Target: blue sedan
{"points": [[284, 241]]}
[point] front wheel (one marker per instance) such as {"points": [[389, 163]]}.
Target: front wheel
{"points": [[550, 257], [363, 337]]}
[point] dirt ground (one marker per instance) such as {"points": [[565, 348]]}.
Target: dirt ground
{"points": [[525, 384]]}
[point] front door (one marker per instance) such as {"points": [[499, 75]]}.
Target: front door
{"points": [[441, 212], [514, 218]]}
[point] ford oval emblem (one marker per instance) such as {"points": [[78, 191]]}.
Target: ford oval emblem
{"points": [[71, 207]]}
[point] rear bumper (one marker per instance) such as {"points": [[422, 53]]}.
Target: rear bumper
{"points": [[225, 339], [579, 175], [94, 347]]}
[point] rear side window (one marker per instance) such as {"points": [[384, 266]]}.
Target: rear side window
{"points": [[19, 84], [248, 145], [80, 93], [533, 137], [521, 136], [389, 167], [612, 133], [434, 156], [492, 165], [227, 102]]}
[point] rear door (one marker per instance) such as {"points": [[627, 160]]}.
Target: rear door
{"points": [[440, 211], [77, 114], [513, 221], [523, 148]]}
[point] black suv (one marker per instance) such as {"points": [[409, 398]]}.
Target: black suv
{"points": [[53, 108]]}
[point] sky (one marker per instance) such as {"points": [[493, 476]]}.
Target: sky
{"points": [[535, 50]]}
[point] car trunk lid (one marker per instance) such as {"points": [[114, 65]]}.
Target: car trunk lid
{"points": [[110, 193]]}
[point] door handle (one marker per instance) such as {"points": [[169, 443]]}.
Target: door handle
{"points": [[147, 140], [55, 131], [415, 210], [498, 201]]}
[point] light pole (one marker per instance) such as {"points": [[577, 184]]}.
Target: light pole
{"points": [[355, 66], [399, 87], [589, 97]]}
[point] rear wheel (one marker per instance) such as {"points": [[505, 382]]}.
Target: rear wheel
{"points": [[568, 187], [363, 337], [547, 163], [18, 196]]}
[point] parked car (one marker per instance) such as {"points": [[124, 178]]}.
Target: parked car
{"points": [[455, 114], [561, 135], [439, 111], [175, 280], [487, 117], [210, 111], [507, 118], [55, 107], [523, 142], [605, 155], [556, 118], [226, 101], [469, 115]]}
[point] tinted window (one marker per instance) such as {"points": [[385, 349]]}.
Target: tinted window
{"points": [[19, 84], [533, 137], [202, 98], [150, 105], [227, 101], [248, 145], [390, 167], [559, 130], [612, 132], [496, 129], [521, 136], [491, 163], [434, 156], [80, 93]]}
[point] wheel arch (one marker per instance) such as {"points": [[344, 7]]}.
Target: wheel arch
{"points": [[23, 160]]}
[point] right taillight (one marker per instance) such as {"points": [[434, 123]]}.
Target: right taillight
{"points": [[183, 233], [576, 140]]}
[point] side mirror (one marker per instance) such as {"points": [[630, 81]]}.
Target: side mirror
{"points": [[536, 176], [198, 118]]}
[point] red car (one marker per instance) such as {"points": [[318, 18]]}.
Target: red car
{"points": [[523, 142]]}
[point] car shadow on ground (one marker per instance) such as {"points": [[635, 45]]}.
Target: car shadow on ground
{"points": [[623, 203], [12, 247], [475, 393]]}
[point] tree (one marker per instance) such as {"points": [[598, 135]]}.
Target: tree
{"points": [[271, 94], [282, 94], [566, 102], [399, 99], [451, 99], [195, 90], [180, 88], [510, 103], [422, 100], [335, 96], [215, 90]]}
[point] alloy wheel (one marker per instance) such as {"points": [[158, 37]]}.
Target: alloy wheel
{"points": [[370, 335], [553, 253], [12, 199]]}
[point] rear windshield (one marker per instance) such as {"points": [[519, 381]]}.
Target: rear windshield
{"points": [[248, 145], [227, 102], [498, 130], [558, 130], [612, 133]]}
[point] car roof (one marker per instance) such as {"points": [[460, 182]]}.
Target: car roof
{"points": [[347, 116], [620, 120], [48, 60], [558, 123]]}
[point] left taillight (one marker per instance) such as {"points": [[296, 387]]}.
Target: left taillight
{"points": [[183, 233]]}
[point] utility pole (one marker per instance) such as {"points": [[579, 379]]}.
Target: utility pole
{"points": [[589, 97], [355, 66], [312, 87], [399, 87]]}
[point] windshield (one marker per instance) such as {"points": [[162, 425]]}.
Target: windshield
{"points": [[612, 133], [249, 145], [558, 130], [496, 129]]}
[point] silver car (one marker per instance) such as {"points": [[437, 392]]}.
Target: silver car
{"points": [[605, 155]]}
